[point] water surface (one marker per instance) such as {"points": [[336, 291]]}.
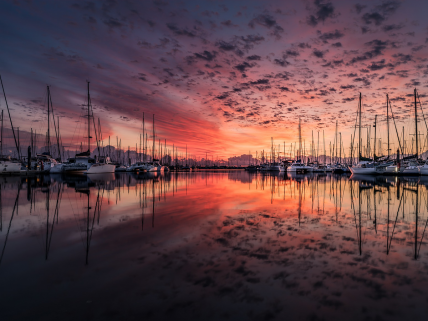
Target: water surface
{"points": [[213, 245]]}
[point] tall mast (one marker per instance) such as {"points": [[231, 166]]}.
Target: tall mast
{"points": [[374, 147], [299, 154], [335, 143], [10, 118], [325, 156], [89, 124], [416, 127], [144, 157], [49, 132], [387, 119], [360, 142], [154, 142], [1, 134]]}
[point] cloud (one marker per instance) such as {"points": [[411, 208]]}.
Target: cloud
{"points": [[267, 21], [206, 55], [377, 48], [242, 67], [331, 35], [322, 12], [381, 12], [318, 53], [254, 57], [359, 7], [180, 32]]}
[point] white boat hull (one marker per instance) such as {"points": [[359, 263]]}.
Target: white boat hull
{"points": [[293, 169], [57, 169], [363, 171], [10, 167], [101, 168]]}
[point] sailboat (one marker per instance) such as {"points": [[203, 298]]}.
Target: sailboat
{"points": [[154, 166], [364, 166], [83, 162], [8, 166], [298, 166]]}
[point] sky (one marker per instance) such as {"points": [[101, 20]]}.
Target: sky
{"points": [[223, 77]]}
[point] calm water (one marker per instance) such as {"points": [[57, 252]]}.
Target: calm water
{"points": [[214, 245]]}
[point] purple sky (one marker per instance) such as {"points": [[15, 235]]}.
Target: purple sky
{"points": [[221, 76]]}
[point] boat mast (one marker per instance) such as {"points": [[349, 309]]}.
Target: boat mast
{"points": [[153, 151], [374, 147], [1, 135], [10, 118], [335, 143], [89, 124], [299, 153], [387, 119], [49, 132], [359, 130], [416, 127]]}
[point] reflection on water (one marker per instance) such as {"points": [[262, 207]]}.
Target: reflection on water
{"points": [[214, 245]]}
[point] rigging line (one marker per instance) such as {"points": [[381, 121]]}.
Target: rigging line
{"points": [[423, 116], [56, 133], [396, 130], [10, 118], [423, 233], [56, 213], [10, 224], [396, 218]]}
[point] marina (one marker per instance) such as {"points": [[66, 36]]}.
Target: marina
{"points": [[213, 160]]}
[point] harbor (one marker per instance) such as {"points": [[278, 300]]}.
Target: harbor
{"points": [[213, 160]]}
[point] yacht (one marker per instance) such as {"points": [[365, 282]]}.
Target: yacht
{"points": [[8, 166], [299, 167], [363, 168], [43, 162], [411, 169], [84, 164], [138, 166], [423, 170], [276, 167], [320, 168], [155, 166]]}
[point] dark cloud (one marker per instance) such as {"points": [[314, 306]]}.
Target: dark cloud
{"points": [[337, 44], [206, 55], [281, 62], [381, 12], [392, 27], [402, 58], [322, 12], [359, 7], [377, 48], [304, 45], [378, 65], [345, 87], [254, 57], [292, 53], [268, 21], [180, 32], [260, 82], [374, 17], [331, 35], [228, 23], [318, 53], [226, 46], [243, 66]]}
